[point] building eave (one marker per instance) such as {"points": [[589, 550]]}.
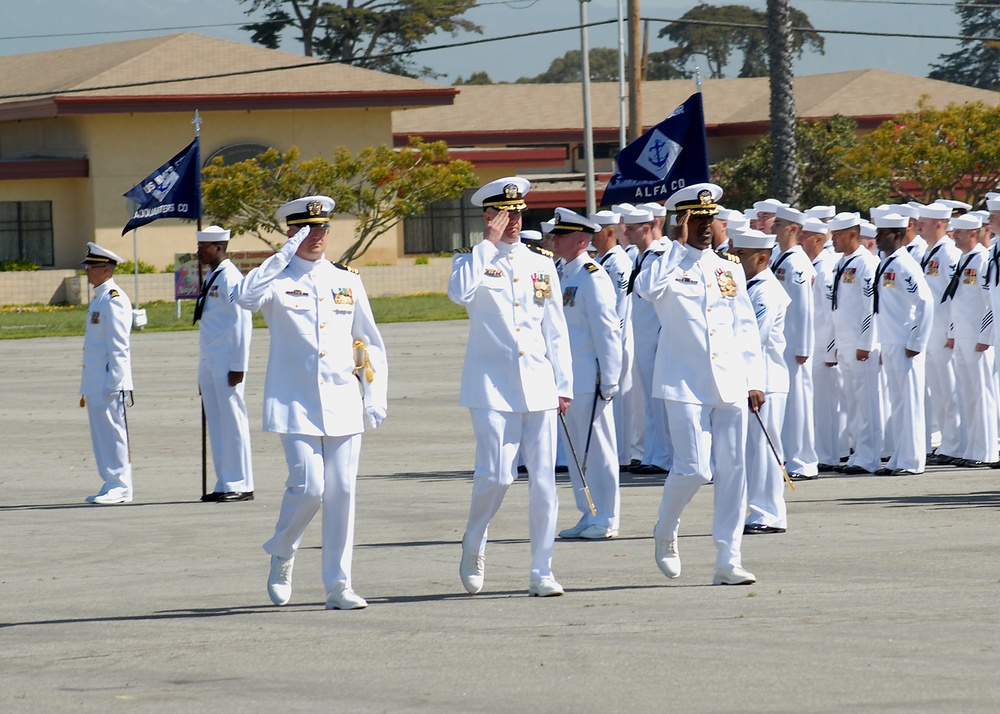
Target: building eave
{"points": [[26, 169]]}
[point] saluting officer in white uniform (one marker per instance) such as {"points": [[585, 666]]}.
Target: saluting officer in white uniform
{"points": [[594, 330], [518, 372], [904, 313], [224, 350], [615, 261], [857, 344], [107, 376], [765, 482], [795, 273], [324, 341], [708, 368]]}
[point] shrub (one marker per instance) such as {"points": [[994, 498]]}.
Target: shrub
{"points": [[128, 267], [9, 266]]}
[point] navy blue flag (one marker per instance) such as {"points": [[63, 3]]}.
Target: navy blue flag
{"points": [[172, 191], [668, 157]]}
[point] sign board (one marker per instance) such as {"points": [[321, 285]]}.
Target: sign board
{"points": [[187, 280]]}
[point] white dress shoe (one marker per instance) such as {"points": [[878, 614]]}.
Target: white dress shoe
{"points": [[279, 580], [111, 499], [343, 598], [545, 587], [575, 531], [733, 576], [667, 558], [471, 569], [596, 532]]}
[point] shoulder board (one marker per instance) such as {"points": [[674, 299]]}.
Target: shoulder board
{"points": [[114, 293], [348, 268], [542, 251], [728, 256], [463, 250], [593, 267]]}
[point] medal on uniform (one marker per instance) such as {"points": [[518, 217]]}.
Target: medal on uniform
{"points": [[969, 276], [542, 285], [95, 318], [343, 300], [849, 275], [727, 284], [889, 280], [493, 273], [569, 296], [932, 268]]}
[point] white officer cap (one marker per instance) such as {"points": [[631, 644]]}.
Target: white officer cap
{"points": [[868, 230], [534, 236], [965, 222], [752, 239], [993, 204], [213, 234], [768, 205], [821, 212], [306, 211], [606, 218], [891, 220], [843, 220], [546, 227], [702, 199], [636, 215], [905, 209], [622, 207], [657, 209], [815, 225], [567, 221], [786, 213], [955, 205], [96, 255], [505, 194], [935, 210]]}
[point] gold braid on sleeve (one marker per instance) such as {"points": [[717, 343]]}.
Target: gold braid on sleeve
{"points": [[361, 361]]}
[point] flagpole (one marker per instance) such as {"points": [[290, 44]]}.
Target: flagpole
{"points": [[588, 130], [197, 121]]}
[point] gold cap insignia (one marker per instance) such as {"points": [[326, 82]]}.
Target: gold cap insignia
{"points": [[705, 197]]}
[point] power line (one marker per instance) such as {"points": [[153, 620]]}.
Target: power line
{"points": [[858, 33]]}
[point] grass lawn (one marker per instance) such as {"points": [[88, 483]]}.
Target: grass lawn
{"points": [[21, 321]]}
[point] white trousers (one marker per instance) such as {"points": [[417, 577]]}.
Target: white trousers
{"points": [[228, 430], [704, 434], [863, 392], [108, 434], [656, 438], [906, 384], [798, 434], [620, 405], [977, 401], [765, 482], [322, 471], [829, 413], [942, 410], [499, 438], [601, 461]]}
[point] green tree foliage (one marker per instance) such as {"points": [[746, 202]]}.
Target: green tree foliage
{"points": [[474, 78], [821, 146], [716, 44], [379, 186], [360, 31], [977, 63], [603, 68], [930, 153]]}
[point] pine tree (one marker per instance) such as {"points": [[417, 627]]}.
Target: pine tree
{"points": [[977, 63]]}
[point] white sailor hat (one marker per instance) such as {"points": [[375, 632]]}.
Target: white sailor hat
{"points": [[935, 210], [505, 194], [701, 199], [546, 227], [213, 234], [567, 221], [787, 213], [307, 211], [868, 230], [955, 206], [843, 220], [984, 215], [657, 209], [905, 209], [750, 214], [768, 205], [751, 239], [96, 255], [915, 204], [891, 220], [737, 221], [735, 228], [728, 214], [821, 212], [992, 195], [606, 218], [993, 204], [622, 207], [815, 225], [967, 222], [636, 215], [876, 211], [533, 236]]}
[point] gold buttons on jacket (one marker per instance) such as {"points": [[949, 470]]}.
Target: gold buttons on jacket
{"points": [[521, 353], [517, 303], [323, 324], [322, 354]]}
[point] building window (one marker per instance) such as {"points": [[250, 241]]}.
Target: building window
{"points": [[26, 232], [445, 226]]}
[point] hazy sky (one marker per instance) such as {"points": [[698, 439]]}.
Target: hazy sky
{"points": [[37, 25]]}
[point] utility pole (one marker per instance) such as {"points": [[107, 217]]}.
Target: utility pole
{"points": [[635, 73], [588, 129], [784, 165]]}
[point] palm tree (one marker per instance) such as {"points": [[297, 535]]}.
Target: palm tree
{"points": [[784, 169]]}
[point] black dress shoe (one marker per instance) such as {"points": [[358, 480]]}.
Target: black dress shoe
{"points": [[633, 463], [522, 469], [883, 472], [970, 464], [940, 459], [826, 468], [560, 469], [905, 472], [211, 497], [855, 471], [795, 476], [233, 496], [760, 528], [648, 469]]}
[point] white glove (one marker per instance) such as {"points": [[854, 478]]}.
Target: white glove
{"points": [[375, 416], [293, 243], [608, 392]]}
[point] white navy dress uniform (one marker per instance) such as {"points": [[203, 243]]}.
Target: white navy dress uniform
{"points": [[904, 314], [517, 365], [707, 360], [322, 328], [107, 376], [225, 331], [854, 329], [592, 323]]}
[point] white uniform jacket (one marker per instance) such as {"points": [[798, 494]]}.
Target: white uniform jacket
{"points": [[993, 284], [225, 327], [971, 314], [595, 336], [619, 267], [853, 297], [709, 348], [315, 311], [825, 266], [917, 248], [770, 305], [518, 358], [795, 273], [107, 362], [645, 322], [905, 304], [939, 265]]}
